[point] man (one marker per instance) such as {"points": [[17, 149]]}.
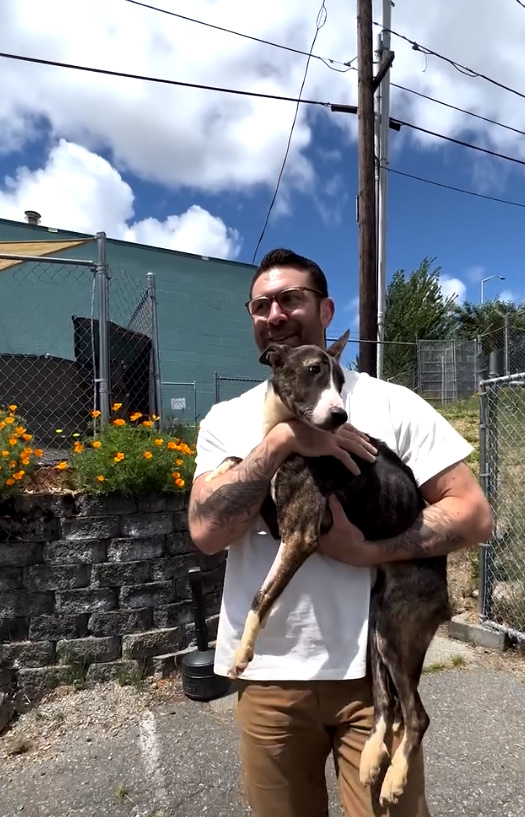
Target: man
{"points": [[306, 693]]}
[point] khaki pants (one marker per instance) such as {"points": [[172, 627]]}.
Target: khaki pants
{"points": [[287, 731]]}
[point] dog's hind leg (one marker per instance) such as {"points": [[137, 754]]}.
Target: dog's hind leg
{"points": [[225, 466], [299, 538], [375, 750]]}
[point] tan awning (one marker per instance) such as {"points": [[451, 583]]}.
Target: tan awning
{"points": [[32, 248]]}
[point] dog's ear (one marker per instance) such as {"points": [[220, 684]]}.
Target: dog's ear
{"points": [[336, 349], [273, 355]]}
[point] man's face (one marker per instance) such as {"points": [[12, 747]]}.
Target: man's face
{"points": [[302, 325]]}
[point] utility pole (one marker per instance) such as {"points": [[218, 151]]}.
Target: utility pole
{"points": [[366, 200], [382, 125]]}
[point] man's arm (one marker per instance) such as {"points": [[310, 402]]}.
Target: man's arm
{"points": [[222, 510], [458, 517]]}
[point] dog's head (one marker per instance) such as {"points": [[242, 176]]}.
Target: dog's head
{"points": [[309, 381]]}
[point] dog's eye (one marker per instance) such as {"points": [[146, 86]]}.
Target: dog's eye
{"points": [[314, 369]]}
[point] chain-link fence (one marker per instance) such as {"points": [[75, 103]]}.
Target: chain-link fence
{"points": [[226, 388], [502, 472], [447, 369], [399, 360], [64, 350]]}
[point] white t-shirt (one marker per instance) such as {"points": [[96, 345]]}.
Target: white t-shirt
{"points": [[318, 628]]}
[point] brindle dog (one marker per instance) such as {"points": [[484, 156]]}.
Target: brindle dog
{"points": [[409, 599]]}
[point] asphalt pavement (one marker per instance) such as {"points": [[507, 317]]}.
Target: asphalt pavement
{"points": [[178, 758]]}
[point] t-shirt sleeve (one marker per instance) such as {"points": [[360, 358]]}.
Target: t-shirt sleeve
{"points": [[210, 449], [427, 443]]}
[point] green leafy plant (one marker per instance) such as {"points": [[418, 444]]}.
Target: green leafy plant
{"points": [[18, 459], [130, 456]]}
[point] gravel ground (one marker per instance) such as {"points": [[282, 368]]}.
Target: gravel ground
{"points": [[149, 752]]}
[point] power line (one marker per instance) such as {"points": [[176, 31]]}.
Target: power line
{"points": [[461, 142], [319, 23], [327, 60], [519, 2], [162, 80], [463, 69], [238, 92], [455, 189]]}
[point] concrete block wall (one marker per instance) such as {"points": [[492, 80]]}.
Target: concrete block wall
{"points": [[95, 589]]}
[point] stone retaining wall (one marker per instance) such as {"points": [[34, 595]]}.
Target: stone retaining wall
{"points": [[94, 589]]}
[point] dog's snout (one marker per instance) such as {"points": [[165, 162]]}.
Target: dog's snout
{"points": [[338, 416]]}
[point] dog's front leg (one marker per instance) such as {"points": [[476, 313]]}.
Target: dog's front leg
{"points": [[299, 526]]}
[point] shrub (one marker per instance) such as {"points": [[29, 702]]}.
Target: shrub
{"points": [[130, 456], [18, 459]]}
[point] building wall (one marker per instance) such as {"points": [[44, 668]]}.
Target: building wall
{"points": [[203, 325]]}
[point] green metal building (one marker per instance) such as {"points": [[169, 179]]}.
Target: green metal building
{"points": [[204, 328]]}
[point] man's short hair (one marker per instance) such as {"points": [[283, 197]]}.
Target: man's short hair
{"points": [[288, 258]]}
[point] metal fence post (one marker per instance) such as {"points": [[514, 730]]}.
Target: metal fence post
{"points": [[152, 296], [102, 288], [484, 595]]}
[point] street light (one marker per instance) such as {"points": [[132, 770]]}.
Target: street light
{"points": [[490, 277]]}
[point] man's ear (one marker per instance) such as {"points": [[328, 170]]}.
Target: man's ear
{"points": [[274, 355], [336, 349]]}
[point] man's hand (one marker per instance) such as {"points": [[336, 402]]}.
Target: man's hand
{"points": [[312, 442], [345, 543]]}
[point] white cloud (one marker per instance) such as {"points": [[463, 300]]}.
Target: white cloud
{"points": [[79, 190], [507, 295], [215, 142], [453, 288]]}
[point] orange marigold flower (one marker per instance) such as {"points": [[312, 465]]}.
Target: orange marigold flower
{"points": [[12, 407], [147, 423], [12, 441], [5, 453], [119, 456], [62, 465], [27, 437], [116, 406], [135, 416], [19, 475], [159, 441], [179, 483], [175, 475], [12, 464], [2, 424], [172, 446], [155, 417], [20, 430], [147, 455], [24, 461], [119, 422], [9, 420], [101, 478], [38, 452], [96, 443], [95, 413], [78, 447], [178, 462], [27, 450], [9, 481]]}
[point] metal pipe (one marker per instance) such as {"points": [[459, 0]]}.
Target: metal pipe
{"points": [[152, 296], [79, 262], [102, 287]]}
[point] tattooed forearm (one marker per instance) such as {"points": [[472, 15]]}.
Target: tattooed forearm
{"points": [[222, 509], [436, 532]]}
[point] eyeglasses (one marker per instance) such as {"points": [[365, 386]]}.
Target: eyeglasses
{"points": [[289, 300]]}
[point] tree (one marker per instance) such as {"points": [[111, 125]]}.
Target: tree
{"points": [[416, 309], [487, 322]]}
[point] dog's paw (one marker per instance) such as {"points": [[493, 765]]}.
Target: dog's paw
{"points": [[394, 783], [372, 757], [240, 662]]}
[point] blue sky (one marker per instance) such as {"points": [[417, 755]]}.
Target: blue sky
{"points": [[196, 171]]}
